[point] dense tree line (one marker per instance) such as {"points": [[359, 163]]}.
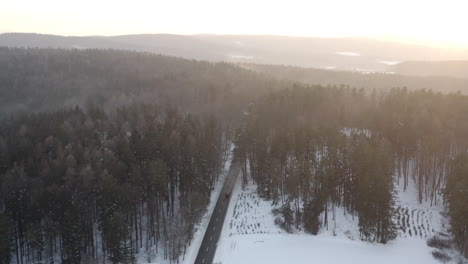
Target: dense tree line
{"points": [[312, 148], [85, 186], [130, 169]]}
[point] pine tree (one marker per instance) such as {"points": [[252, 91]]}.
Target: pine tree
{"points": [[457, 197], [5, 243]]}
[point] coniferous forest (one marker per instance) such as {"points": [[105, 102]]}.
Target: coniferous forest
{"points": [[107, 153], [90, 184]]}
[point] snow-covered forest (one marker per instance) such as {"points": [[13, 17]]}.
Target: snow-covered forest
{"points": [[108, 156]]}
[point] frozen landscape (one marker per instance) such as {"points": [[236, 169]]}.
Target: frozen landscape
{"points": [[221, 148], [250, 235]]}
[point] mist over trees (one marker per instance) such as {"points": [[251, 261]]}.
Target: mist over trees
{"points": [[369, 80], [49, 79], [265, 49], [456, 68], [106, 154]]}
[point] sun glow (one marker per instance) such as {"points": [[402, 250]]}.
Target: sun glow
{"points": [[437, 22]]}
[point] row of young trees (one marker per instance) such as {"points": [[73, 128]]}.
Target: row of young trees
{"points": [[89, 186], [312, 148]]}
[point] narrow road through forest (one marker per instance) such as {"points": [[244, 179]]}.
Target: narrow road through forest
{"points": [[213, 231]]}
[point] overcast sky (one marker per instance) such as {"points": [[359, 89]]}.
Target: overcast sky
{"points": [[417, 20]]}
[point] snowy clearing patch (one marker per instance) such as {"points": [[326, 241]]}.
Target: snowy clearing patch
{"points": [[414, 219], [389, 62], [250, 214], [348, 53], [348, 131], [242, 57], [239, 43]]}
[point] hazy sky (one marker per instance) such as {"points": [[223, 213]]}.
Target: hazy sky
{"points": [[442, 21]]}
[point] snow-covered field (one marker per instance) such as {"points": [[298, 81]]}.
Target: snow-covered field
{"points": [[348, 53], [306, 249], [250, 235]]}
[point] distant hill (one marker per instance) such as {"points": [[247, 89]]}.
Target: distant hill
{"points": [[360, 80], [457, 69], [361, 54], [40, 80]]}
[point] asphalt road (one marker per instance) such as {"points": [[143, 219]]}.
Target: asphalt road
{"points": [[213, 231]]}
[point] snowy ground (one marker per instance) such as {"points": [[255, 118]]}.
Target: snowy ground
{"points": [[306, 249], [250, 235], [415, 219]]}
